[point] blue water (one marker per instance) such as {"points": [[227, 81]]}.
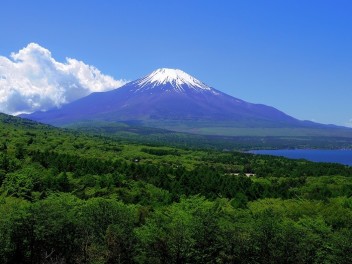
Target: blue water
{"points": [[338, 156]]}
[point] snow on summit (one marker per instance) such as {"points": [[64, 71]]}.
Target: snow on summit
{"points": [[175, 77]]}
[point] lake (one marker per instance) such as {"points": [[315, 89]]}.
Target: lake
{"points": [[338, 156]]}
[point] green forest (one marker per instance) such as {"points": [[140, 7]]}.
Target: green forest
{"points": [[71, 197]]}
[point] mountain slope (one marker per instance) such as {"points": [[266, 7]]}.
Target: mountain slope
{"points": [[172, 99]]}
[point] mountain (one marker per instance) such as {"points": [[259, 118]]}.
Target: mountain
{"points": [[172, 99]]}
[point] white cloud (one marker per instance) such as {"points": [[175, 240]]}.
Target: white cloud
{"points": [[33, 80]]}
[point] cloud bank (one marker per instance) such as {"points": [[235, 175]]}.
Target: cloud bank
{"points": [[32, 80]]}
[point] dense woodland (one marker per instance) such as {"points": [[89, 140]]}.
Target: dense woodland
{"points": [[69, 197]]}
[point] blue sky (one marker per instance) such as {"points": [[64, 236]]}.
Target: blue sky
{"points": [[293, 55]]}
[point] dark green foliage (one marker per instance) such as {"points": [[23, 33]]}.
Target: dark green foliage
{"points": [[160, 151]]}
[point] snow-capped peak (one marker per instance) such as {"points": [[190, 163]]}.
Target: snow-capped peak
{"points": [[177, 78]]}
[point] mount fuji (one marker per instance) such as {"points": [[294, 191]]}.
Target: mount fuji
{"points": [[172, 99]]}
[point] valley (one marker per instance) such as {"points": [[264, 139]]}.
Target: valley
{"points": [[151, 135]]}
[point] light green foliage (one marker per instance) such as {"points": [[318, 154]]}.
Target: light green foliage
{"points": [[184, 232], [13, 215], [102, 223], [18, 184]]}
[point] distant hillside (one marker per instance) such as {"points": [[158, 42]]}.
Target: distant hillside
{"points": [[157, 136]]}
